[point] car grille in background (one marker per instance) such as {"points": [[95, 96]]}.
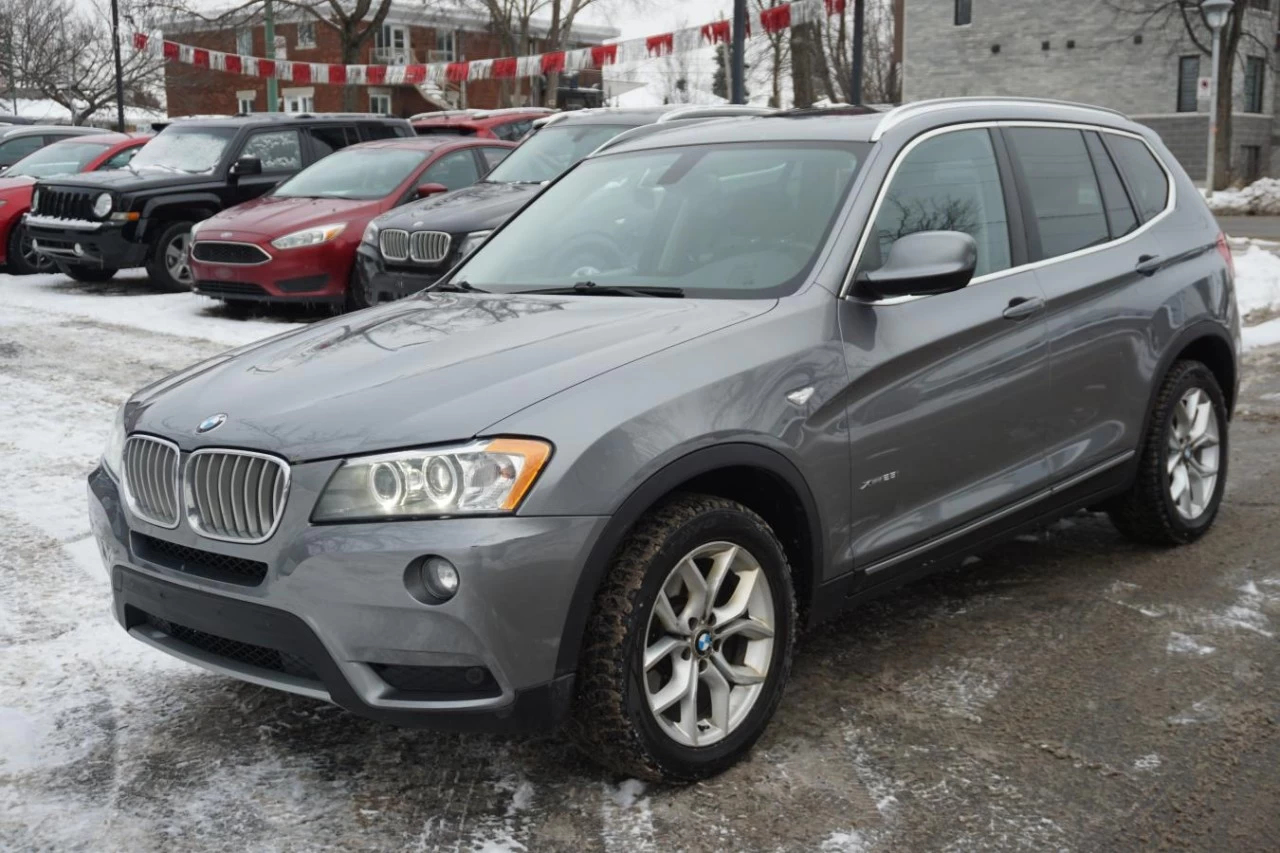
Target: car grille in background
{"points": [[429, 247], [395, 244], [66, 204], [151, 479], [246, 654], [194, 561], [229, 288], [213, 252], [235, 495]]}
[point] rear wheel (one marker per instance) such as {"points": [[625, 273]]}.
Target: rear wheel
{"points": [[689, 645], [1182, 471], [21, 256], [167, 264], [86, 274]]}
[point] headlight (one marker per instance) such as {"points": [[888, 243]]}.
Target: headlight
{"points": [[102, 205], [309, 237], [35, 201], [472, 242], [113, 453], [489, 476], [370, 234]]}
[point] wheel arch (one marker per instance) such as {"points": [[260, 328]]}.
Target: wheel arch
{"points": [[761, 478], [187, 207]]}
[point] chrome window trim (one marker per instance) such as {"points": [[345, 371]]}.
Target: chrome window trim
{"points": [[268, 258], [189, 504], [1170, 203], [177, 481], [898, 115]]}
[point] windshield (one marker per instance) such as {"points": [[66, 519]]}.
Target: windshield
{"points": [[550, 151], [738, 220], [185, 149], [61, 158], [357, 173]]}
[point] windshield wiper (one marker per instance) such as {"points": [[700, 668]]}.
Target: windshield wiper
{"points": [[590, 288], [456, 287]]}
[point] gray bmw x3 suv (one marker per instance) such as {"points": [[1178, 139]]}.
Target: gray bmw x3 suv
{"points": [[760, 370]]}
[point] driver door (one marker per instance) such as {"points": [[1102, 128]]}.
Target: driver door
{"points": [[947, 394]]}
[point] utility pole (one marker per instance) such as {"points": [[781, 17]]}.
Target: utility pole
{"points": [[859, 34], [8, 57], [115, 46], [738, 85], [270, 27]]}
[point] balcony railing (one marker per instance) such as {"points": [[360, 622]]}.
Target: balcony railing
{"points": [[392, 56]]}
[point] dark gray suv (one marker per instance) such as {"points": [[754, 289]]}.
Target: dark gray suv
{"points": [[759, 370]]}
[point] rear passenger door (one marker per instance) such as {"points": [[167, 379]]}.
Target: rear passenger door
{"points": [[1093, 252]]}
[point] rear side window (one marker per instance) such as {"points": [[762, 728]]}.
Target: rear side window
{"points": [[1147, 181], [327, 140], [947, 183], [382, 131], [1066, 203], [1120, 213]]}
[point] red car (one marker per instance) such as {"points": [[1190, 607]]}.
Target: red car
{"points": [[76, 154], [509, 124], [298, 242]]}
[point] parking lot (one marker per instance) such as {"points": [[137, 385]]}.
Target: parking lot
{"points": [[1067, 691]]}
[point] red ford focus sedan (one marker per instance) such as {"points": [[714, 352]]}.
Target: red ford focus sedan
{"points": [[76, 154], [298, 242]]}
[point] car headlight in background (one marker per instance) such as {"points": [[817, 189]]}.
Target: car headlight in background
{"points": [[488, 476], [309, 236], [370, 235], [472, 242], [113, 453], [102, 205]]}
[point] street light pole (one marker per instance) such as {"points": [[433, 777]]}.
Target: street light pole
{"points": [[859, 28], [270, 34], [115, 46], [738, 85], [1216, 13]]}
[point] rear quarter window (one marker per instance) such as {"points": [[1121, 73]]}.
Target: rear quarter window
{"points": [[1147, 180]]}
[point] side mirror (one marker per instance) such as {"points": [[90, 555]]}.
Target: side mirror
{"points": [[427, 190], [922, 264], [246, 166]]}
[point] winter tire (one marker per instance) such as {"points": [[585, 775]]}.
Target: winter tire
{"points": [[167, 263], [689, 645]]}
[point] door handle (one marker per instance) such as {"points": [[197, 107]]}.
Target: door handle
{"points": [[1023, 307], [1149, 264]]}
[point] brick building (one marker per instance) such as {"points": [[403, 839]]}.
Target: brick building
{"points": [[407, 37], [1100, 52]]}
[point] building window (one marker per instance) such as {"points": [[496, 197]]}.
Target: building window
{"points": [[1188, 79], [1255, 69], [444, 46], [379, 102], [307, 35], [245, 99], [299, 100], [244, 42], [964, 12], [391, 45]]}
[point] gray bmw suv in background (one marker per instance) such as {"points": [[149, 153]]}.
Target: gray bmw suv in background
{"points": [[765, 368]]}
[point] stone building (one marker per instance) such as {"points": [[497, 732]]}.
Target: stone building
{"points": [[1102, 52], [408, 36]]}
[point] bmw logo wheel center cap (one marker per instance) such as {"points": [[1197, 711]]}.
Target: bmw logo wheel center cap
{"points": [[702, 643]]}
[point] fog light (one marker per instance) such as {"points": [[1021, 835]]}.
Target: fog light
{"points": [[79, 250], [440, 577]]}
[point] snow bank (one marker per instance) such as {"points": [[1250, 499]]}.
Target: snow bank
{"points": [[1257, 279], [1261, 198]]}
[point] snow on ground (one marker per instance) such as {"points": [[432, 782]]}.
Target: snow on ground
{"points": [[1261, 198]]}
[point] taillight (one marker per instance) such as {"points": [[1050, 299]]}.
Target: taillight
{"points": [[1225, 250]]}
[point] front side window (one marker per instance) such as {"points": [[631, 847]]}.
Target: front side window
{"points": [[947, 183], [1065, 200], [15, 149], [279, 150], [455, 170], [552, 150], [1147, 180], [179, 149], [730, 220], [64, 158], [1255, 71], [354, 173], [119, 160], [494, 156], [1188, 81]]}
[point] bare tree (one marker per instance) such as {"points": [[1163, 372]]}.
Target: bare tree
{"points": [[881, 75], [772, 54], [63, 51]]}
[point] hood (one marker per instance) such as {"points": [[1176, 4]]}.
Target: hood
{"points": [[18, 182], [478, 207], [434, 368], [271, 216], [129, 179]]}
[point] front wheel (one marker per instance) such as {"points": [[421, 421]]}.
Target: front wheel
{"points": [[1182, 470], [90, 275], [167, 264], [689, 644], [22, 257]]}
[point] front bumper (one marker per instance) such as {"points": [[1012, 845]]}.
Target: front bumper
{"points": [[314, 274], [332, 617], [385, 284], [102, 244]]}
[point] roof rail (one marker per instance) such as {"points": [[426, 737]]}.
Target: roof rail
{"points": [[900, 114], [715, 111]]}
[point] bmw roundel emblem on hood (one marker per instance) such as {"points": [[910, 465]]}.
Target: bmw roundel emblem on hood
{"points": [[211, 423]]}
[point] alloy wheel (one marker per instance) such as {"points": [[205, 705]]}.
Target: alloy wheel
{"points": [[175, 258], [709, 644], [1192, 459], [33, 259]]}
